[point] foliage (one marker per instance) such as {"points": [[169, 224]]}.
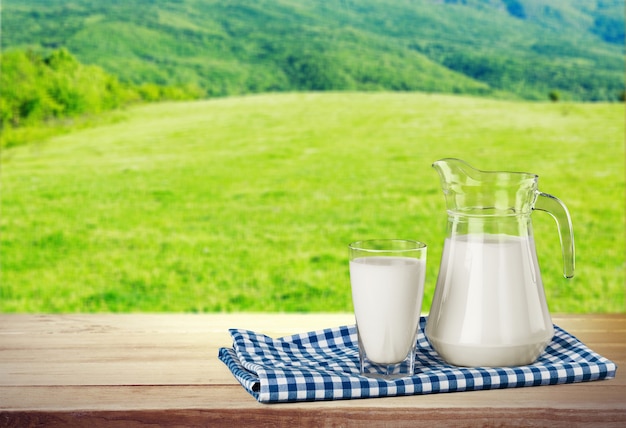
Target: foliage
{"points": [[248, 203], [37, 89], [500, 48]]}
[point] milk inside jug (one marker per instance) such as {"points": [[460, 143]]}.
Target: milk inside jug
{"points": [[489, 307]]}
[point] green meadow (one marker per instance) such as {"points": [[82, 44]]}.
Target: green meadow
{"points": [[249, 203]]}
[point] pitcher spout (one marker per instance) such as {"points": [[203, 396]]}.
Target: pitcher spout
{"points": [[454, 171]]}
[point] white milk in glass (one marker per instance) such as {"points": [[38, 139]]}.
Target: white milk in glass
{"points": [[489, 308], [387, 297]]}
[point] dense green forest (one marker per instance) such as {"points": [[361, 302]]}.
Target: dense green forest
{"points": [[516, 49], [66, 58]]}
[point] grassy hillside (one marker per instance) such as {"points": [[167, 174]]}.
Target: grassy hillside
{"points": [[248, 203], [501, 48]]}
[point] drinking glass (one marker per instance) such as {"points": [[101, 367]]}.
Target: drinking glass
{"points": [[387, 280]]}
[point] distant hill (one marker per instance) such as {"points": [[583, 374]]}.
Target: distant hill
{"points": [[526, 49]]}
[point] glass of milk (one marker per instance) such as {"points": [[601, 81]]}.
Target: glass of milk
{"points": [[387, 279]]}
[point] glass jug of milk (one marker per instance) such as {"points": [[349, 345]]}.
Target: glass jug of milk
{"points": [[489, 307]]}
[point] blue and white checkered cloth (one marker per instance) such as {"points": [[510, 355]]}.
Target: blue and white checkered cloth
{"points": [[324, 365]]}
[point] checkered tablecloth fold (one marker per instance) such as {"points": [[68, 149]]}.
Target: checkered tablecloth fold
{"points": [[324, 365]]}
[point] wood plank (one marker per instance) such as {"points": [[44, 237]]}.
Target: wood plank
{"points": [[229, 406], [77, 398], [165, 366], [272, 417]]}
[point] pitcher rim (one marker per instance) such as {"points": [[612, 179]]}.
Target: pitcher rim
{"points": [[528, 175]]}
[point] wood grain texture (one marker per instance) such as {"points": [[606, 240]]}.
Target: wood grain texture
{"points": [[138, 369]]}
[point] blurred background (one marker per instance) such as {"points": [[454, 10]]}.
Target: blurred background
{"points": [[219, 156]]}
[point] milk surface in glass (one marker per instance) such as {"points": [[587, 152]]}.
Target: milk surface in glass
{"points": [[489, 307], [387, 297]]}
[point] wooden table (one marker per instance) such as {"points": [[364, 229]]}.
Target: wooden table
{"points": [[162, 370]]}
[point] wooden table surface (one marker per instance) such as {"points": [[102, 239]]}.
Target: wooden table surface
{"points": [[136, 370]]}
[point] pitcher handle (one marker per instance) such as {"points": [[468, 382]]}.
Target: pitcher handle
{"points": [[559, 212]]}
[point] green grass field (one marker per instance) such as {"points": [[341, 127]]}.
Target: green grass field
{"points": [[248, 204]]}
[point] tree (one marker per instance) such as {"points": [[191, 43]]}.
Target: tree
{"points": [[313, 71], [24, 96], [554, 96]]}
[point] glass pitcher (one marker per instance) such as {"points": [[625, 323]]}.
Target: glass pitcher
{"points": [[489, 307]]}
